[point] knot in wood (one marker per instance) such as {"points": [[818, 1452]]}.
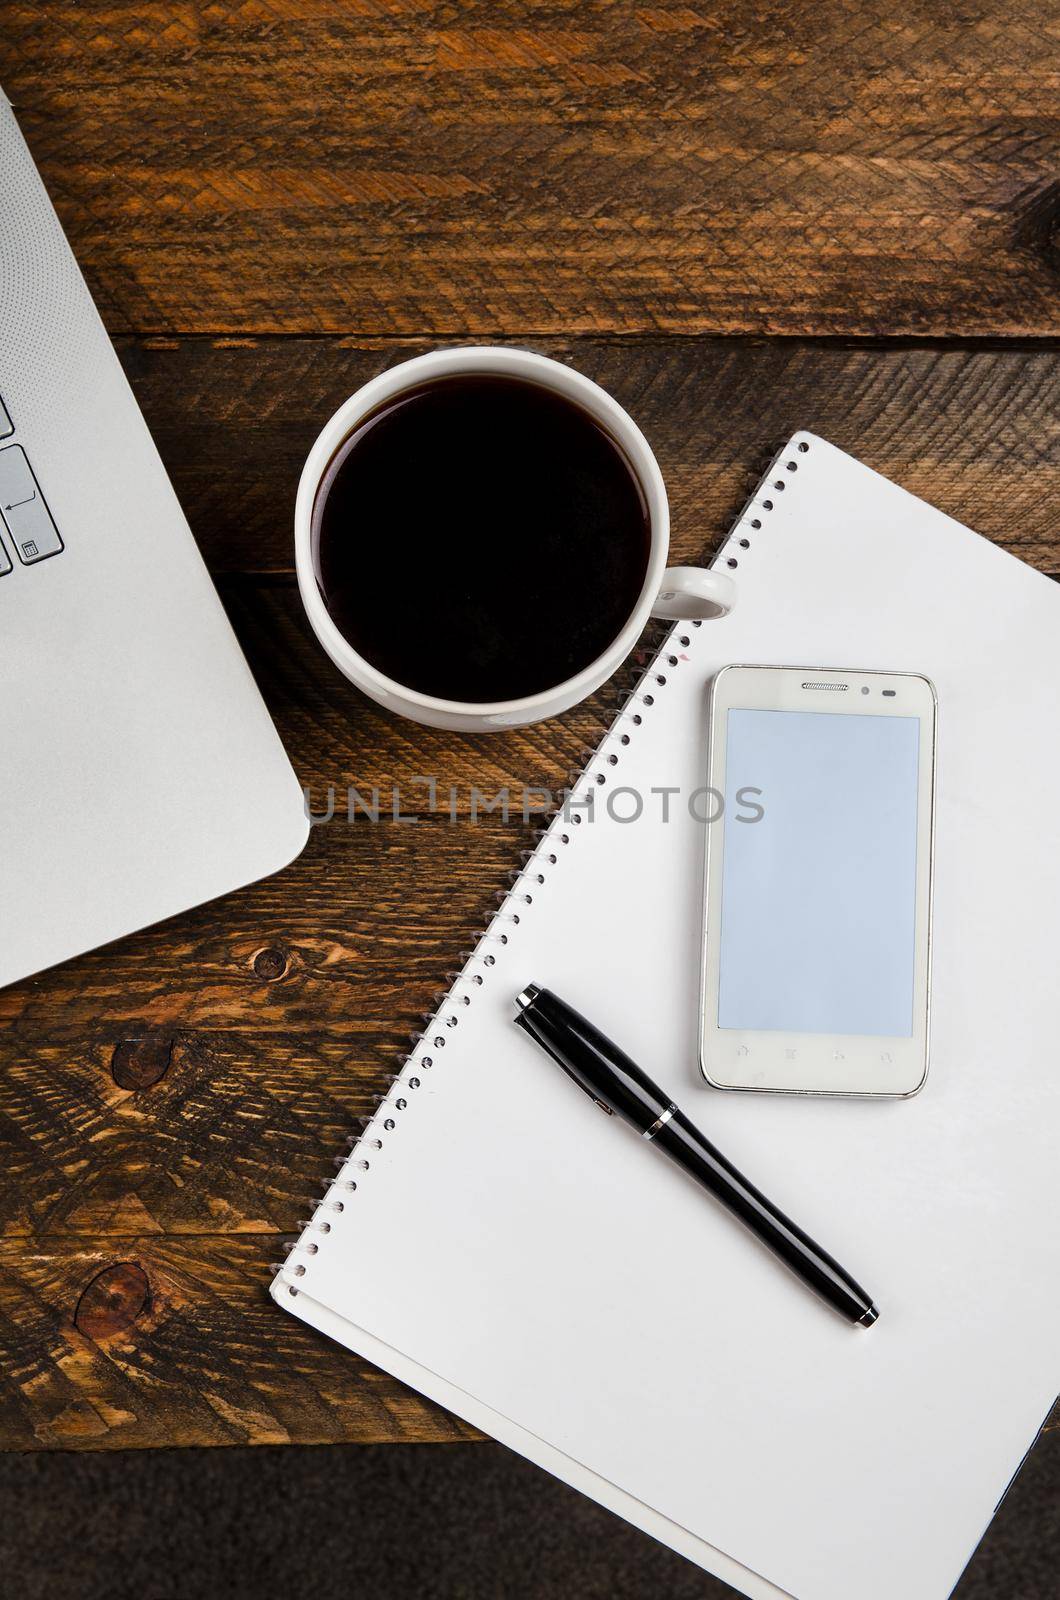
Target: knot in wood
{"points": [[112, 1301], [270, 964], [139, 1063]]}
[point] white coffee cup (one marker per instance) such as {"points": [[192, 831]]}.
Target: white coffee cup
{"points": [[675, 592]]}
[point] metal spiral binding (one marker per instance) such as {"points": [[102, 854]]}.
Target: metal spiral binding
{"points": [[544, 856]]}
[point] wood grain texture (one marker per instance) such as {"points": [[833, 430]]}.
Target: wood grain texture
{"points": [[974, 431], [118, 1344], [168, 1107], [264, 1025], [331, 185], [572, 166]]}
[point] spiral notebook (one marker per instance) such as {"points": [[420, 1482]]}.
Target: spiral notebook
{"points": [[495, 1242]]}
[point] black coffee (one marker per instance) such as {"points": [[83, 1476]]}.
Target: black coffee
{"points": [[480, 538]]}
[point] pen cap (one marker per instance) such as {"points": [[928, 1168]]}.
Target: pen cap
{"points": [[588, 1056]]}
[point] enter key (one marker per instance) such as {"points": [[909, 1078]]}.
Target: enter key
{"points": [[24, 510]]}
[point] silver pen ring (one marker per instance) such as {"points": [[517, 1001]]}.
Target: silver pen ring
{"points": [[660, 1122]]}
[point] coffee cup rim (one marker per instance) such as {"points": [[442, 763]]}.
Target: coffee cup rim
{"points": [[467, 360]]}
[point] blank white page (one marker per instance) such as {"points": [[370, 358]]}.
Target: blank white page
{"points": [[530, 1252]]}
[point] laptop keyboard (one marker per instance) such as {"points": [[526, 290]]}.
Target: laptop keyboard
{"points": [[27, 522]]}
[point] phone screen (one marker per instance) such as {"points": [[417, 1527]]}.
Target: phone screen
{"points": [[818, 901]]}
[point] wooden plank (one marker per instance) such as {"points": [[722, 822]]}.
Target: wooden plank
{"points": [[199, 1077], [338, 739], [137, 1343], [125, 1343], [310, 165], [974, 431]]}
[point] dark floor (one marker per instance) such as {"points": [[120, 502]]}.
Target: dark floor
{"points": [[463, 1522]]}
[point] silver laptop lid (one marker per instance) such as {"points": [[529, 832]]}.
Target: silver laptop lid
{"points": [[140, 773]]}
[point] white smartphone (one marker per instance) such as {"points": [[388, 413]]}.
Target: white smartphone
{"points": [[816, 953]]}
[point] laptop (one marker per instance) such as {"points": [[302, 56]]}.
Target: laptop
{"points": [[140, 773]]}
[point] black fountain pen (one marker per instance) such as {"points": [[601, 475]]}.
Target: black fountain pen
{"points": [[620, 1088]]}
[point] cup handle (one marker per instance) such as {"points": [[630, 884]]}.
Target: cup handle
{"points": [[687, 594]]}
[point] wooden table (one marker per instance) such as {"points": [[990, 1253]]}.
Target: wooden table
{"points": [[739, 218]]}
